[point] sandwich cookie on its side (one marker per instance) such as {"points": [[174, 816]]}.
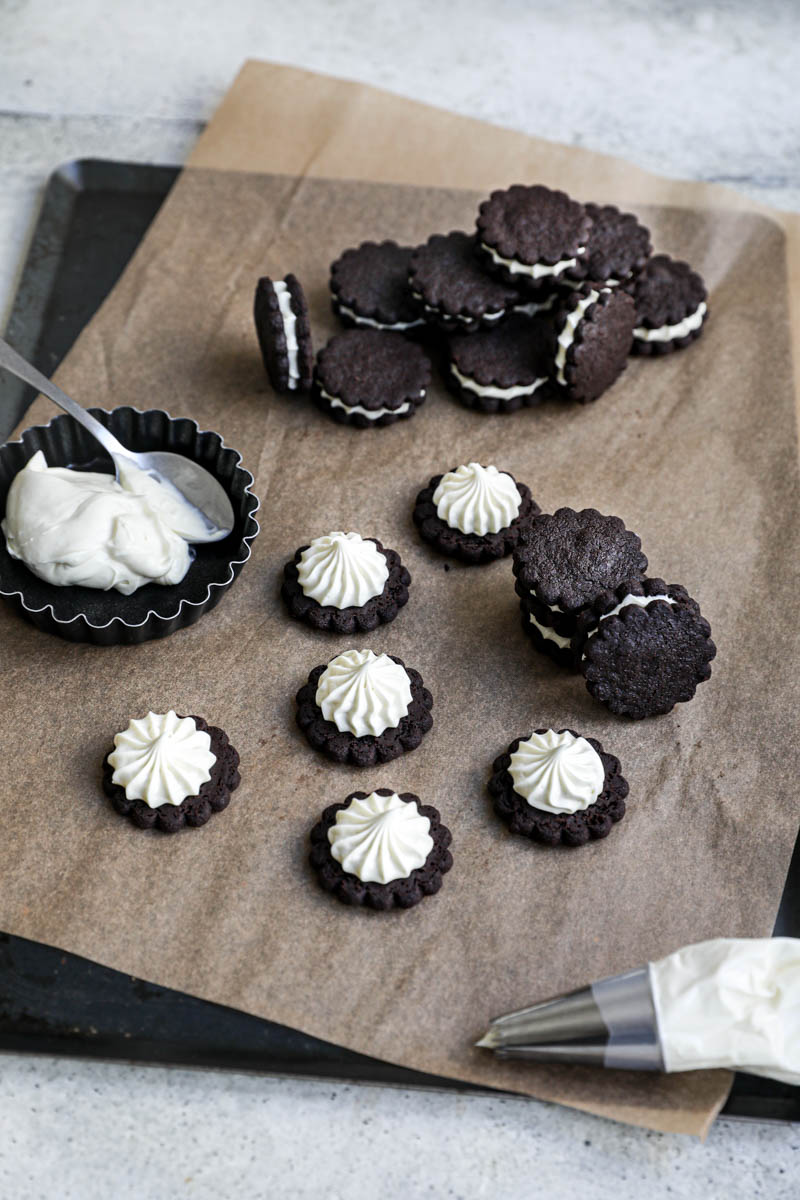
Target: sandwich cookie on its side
{"points": [[501, 370], [558, 788], [344, 582], [455, 293], [382, 850], [531, 236], [594, 331], [671, 309], [473, 512], [369, 287], [366, 377], [284, 334]]}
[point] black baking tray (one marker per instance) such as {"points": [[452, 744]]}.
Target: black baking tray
{"points": [[93, 216]]}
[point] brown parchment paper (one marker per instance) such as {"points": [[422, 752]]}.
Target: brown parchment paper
{"points": [[696, 452]]}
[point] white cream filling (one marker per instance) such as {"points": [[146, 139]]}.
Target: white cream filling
{"points": [[371, 414], [289, 329], [465, 320], [398, 326], [537, 270], [667, 332], [550, 634], [567, 335], [532, 308], [498, 393]]}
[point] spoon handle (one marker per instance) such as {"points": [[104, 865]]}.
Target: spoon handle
{"points": [[18, 366]]}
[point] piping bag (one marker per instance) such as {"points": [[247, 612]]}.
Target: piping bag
{"points": [[728, 1002]]}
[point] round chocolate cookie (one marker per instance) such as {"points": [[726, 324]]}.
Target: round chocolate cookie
{"points": [[366, 377], [630, 591], [340, 871], [618, 246], [370, 288], [550, 632], [594, 330], [551, 828], [531, 236], [501, 370], [565, 559], [446, 278], [465, 496], [642, 661], [335, 570], [284, 334], [335, 739], [671, 310], [193, 811]]}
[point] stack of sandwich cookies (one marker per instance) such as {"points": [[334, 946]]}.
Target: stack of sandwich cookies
{"points": [[381, 850], [504, 369], [364, 708], [284, 334], [370, 290], [558, 788], [367, 377], [167, 771], [474, 512], [562, 561], [344, 582], [671, 309], [617, 248], [594, 331], [448, 283], [532, 236]]}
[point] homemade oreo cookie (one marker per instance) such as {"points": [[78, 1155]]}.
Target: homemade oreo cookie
{"points": [[381, 850], [501, 370], [364, 708], [345, 583], [558, 788], [447, 281], [366, 377], [473, 512], [594, 332], [370, 290], [671, 309], [617, 247], [284, 334], [531, 236], [167, 771]]}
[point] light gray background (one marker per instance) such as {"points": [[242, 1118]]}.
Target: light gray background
{"points": [[700, 91]]}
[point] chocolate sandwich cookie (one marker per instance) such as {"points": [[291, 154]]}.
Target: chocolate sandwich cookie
{"points": [[473, 512], [363, 708], [167, 771], [594, 331], [366, 377], [552, 633], [503, 369], [617, 247], [284, 334], [369, 286], [381, 850], [447, 280], [670, 301], [558, 788], [531, 236], [648, 652], [345, 583]]}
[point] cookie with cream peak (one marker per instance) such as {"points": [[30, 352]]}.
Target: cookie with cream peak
{"points": [[454, 292], [558, 787], [381, 849], [370, 290], [364, 708], [671, 306], [593, 335], [474, 512], [345, 583], [167, 771], [503, 369], [532, 236], [280, 313], [369, 378]]}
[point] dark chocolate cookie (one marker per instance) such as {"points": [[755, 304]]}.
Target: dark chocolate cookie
{"points": [[567, 558], [366, 377], [642, 590], [539, 624], [366, 750], [643, 661], [194, 810], [471, 548], [400, 893], [671, 309], [284, 334], [370, 288], [446, 278], [550, 829], [380, 610], [503, 369], [594, 331], [617, 247], [530, 236]]}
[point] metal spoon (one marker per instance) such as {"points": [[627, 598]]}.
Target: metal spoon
{"points": [[197, 485]]}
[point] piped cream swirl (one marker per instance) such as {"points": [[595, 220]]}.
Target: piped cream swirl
{"points": [[557, 772], [380, 838], [161, 759], [363, 693], [342, 570], [476, 499]]}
